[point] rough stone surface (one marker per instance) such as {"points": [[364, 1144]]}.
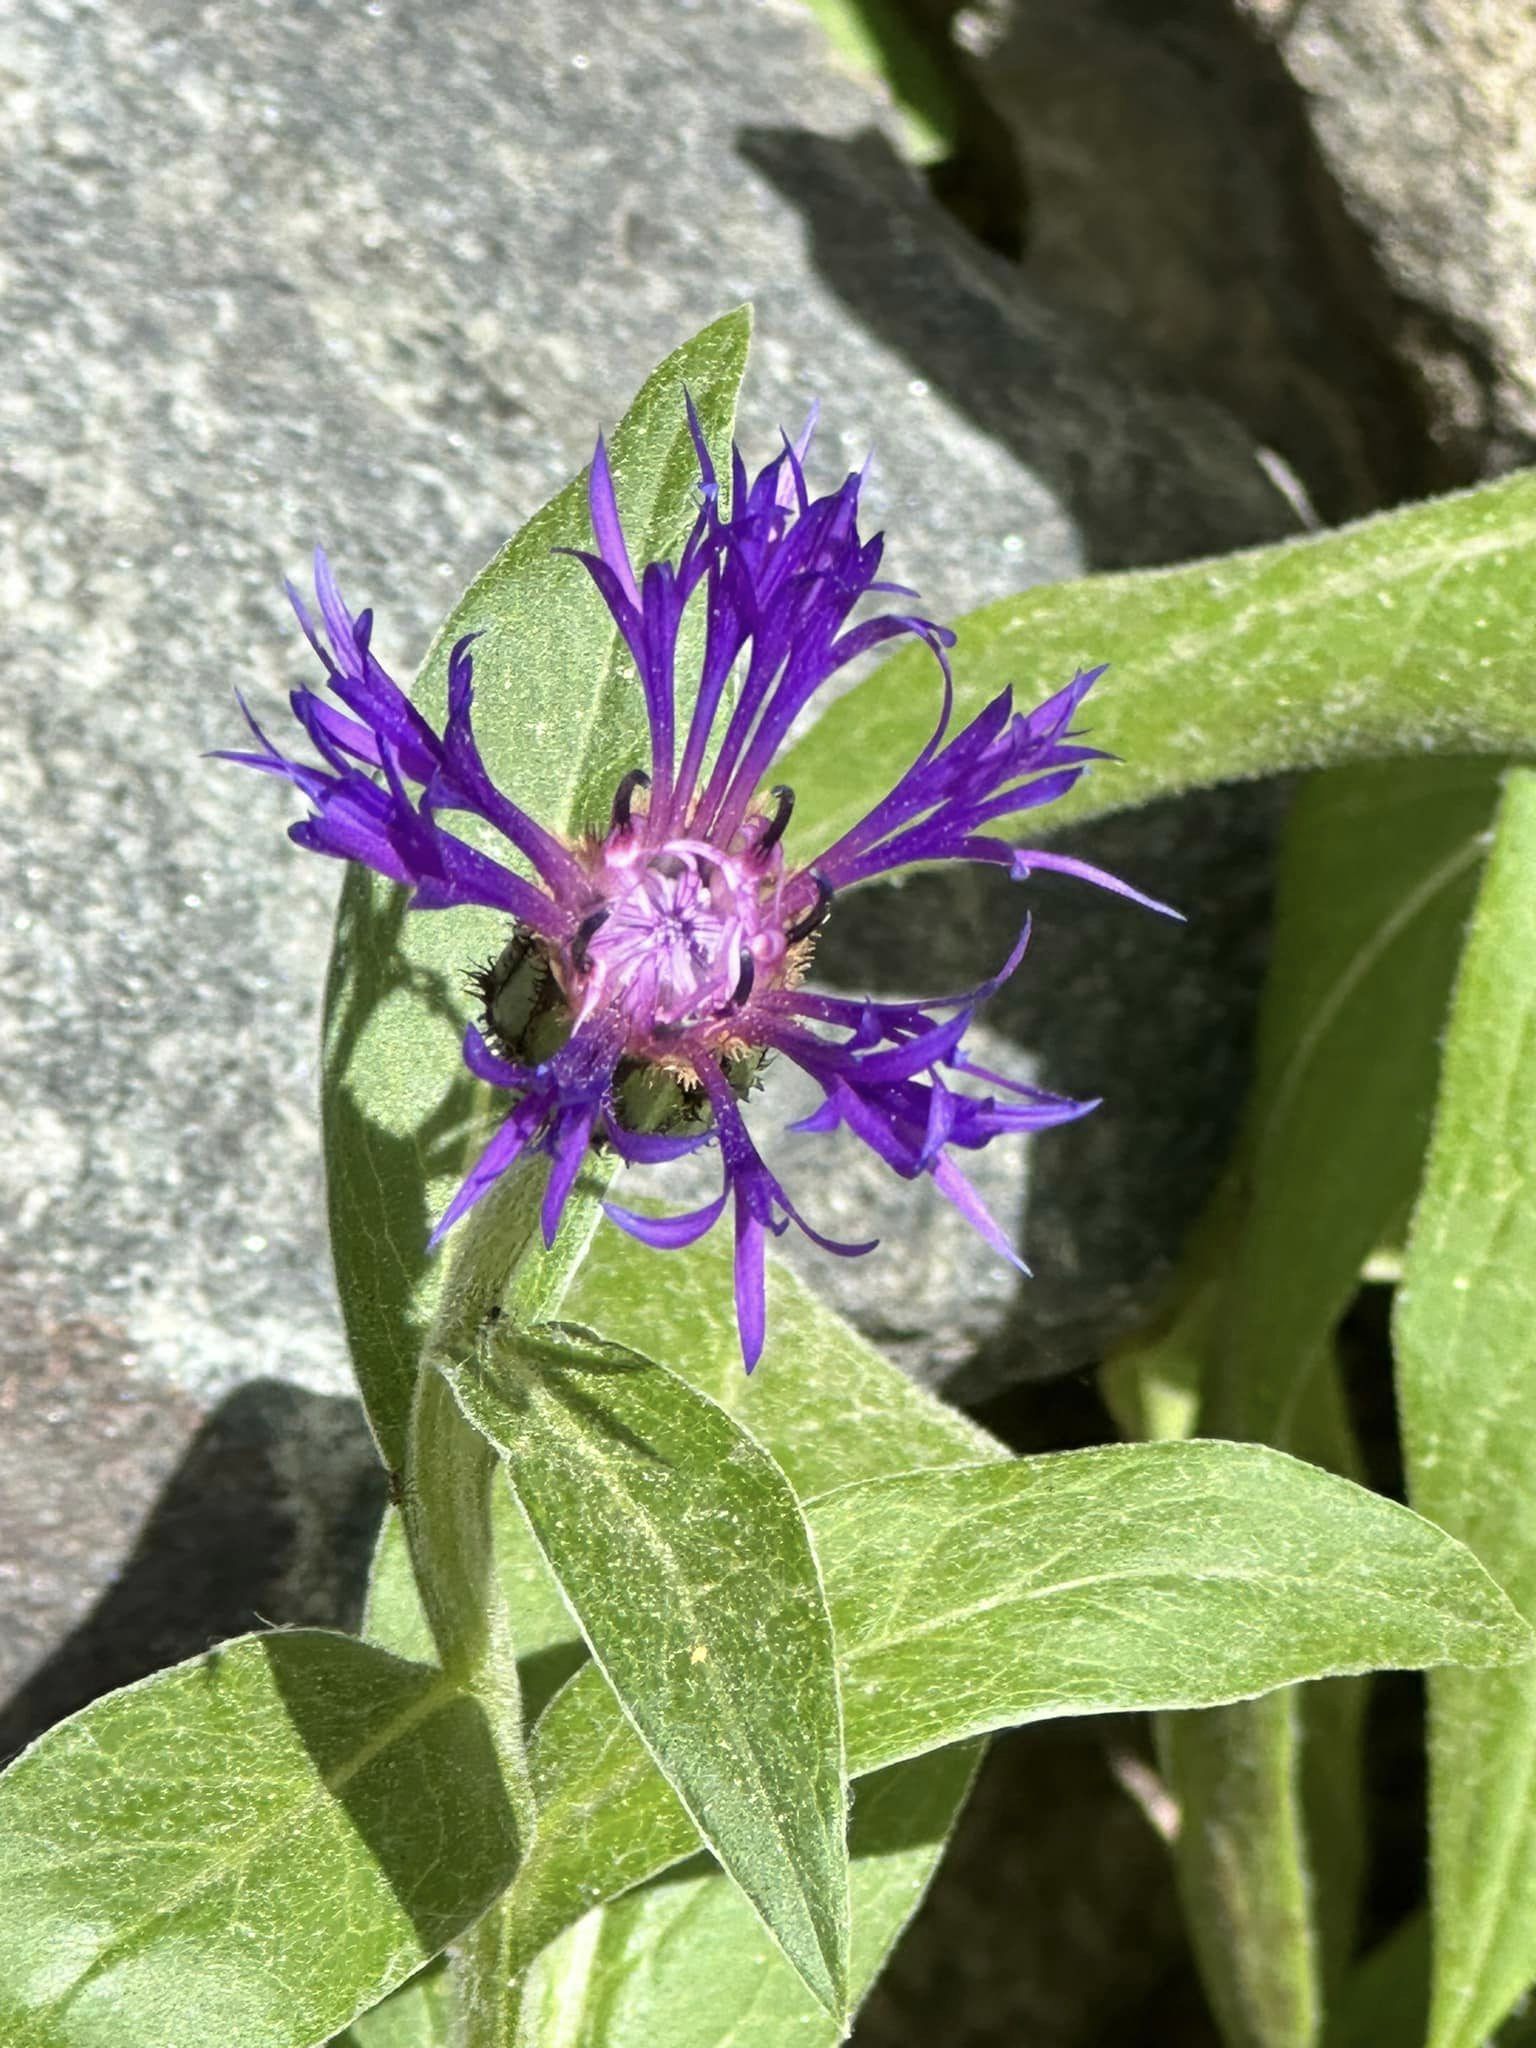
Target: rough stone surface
{"points": [[263, 1514], [373, 274], [1425, 114], [1172, 187]]}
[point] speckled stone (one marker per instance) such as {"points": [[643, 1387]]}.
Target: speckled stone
{"points": [[1425, 116], [374, 273]]}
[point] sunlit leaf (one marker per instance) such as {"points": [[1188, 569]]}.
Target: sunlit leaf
{"points": [[979, 1597], [684, 1555], [685, 1962], [252, 1847], [1404, 633], [1465, 1335]]}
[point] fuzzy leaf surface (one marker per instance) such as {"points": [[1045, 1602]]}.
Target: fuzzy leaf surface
{"points": [[1127, 1577], [609, 1820], [1377, 874], [978, 1597], [1465, 1332], [1404, 633], [685, 1961], [159, 1849], [683, 1554]]}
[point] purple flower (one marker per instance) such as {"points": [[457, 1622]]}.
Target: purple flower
{"points": [[675, 935]]}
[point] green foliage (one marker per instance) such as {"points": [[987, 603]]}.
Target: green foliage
{"points": [[1405, 634], [684, 1556], [877, 39], [1376, 877], [418, 2015], [1466, 1347], [601, 1739], [978, 1597], [251, 1847], [684, 1962], [1130, 1576], [608, 1818]]}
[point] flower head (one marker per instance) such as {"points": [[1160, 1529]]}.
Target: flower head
{"points": [[674, 937]]}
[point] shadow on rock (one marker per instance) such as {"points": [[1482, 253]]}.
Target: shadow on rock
{"points": [[268, 1520], [1150, 471]]}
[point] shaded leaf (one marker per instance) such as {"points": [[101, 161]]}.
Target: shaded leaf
{"points": [[1377, 872], [254, 1846], [1465, 1333]]}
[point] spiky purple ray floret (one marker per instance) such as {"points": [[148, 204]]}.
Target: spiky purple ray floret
{"points": [[681, 936]]}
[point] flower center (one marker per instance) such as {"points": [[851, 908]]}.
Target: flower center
{"points": [[680, 937]]}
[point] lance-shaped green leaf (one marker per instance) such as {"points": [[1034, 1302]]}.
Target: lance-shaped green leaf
{"points": [[824, 1403], [609, 1818], [1466, 1347], [685, 1558], [1377, 873], [559, 718], [1404, 633], [978, 1597], [251, 1847], [1130, 1576], [685, 1962], [815, 1366]]}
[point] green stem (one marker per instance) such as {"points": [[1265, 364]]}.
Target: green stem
{"points": [[502, 1280], [450, 1471]]}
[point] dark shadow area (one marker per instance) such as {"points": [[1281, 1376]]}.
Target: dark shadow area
{"points": [[1156, 1018], [1053, 1917], [268, 1520], [1176, 237], [1150, 471], [543, 1672]]}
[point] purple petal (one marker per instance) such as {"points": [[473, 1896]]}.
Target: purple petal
{"points": [[568, 1145], [751, 1309], [502, 1151], [952, 1183], [1024, 862], [606, 527], [668, 1233], [487, 1066], [651, 1148]]}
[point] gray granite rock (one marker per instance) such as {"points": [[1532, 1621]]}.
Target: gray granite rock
{"points": [[1170, 185], [374, 273], [263, 1513], [1425, 115]]}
